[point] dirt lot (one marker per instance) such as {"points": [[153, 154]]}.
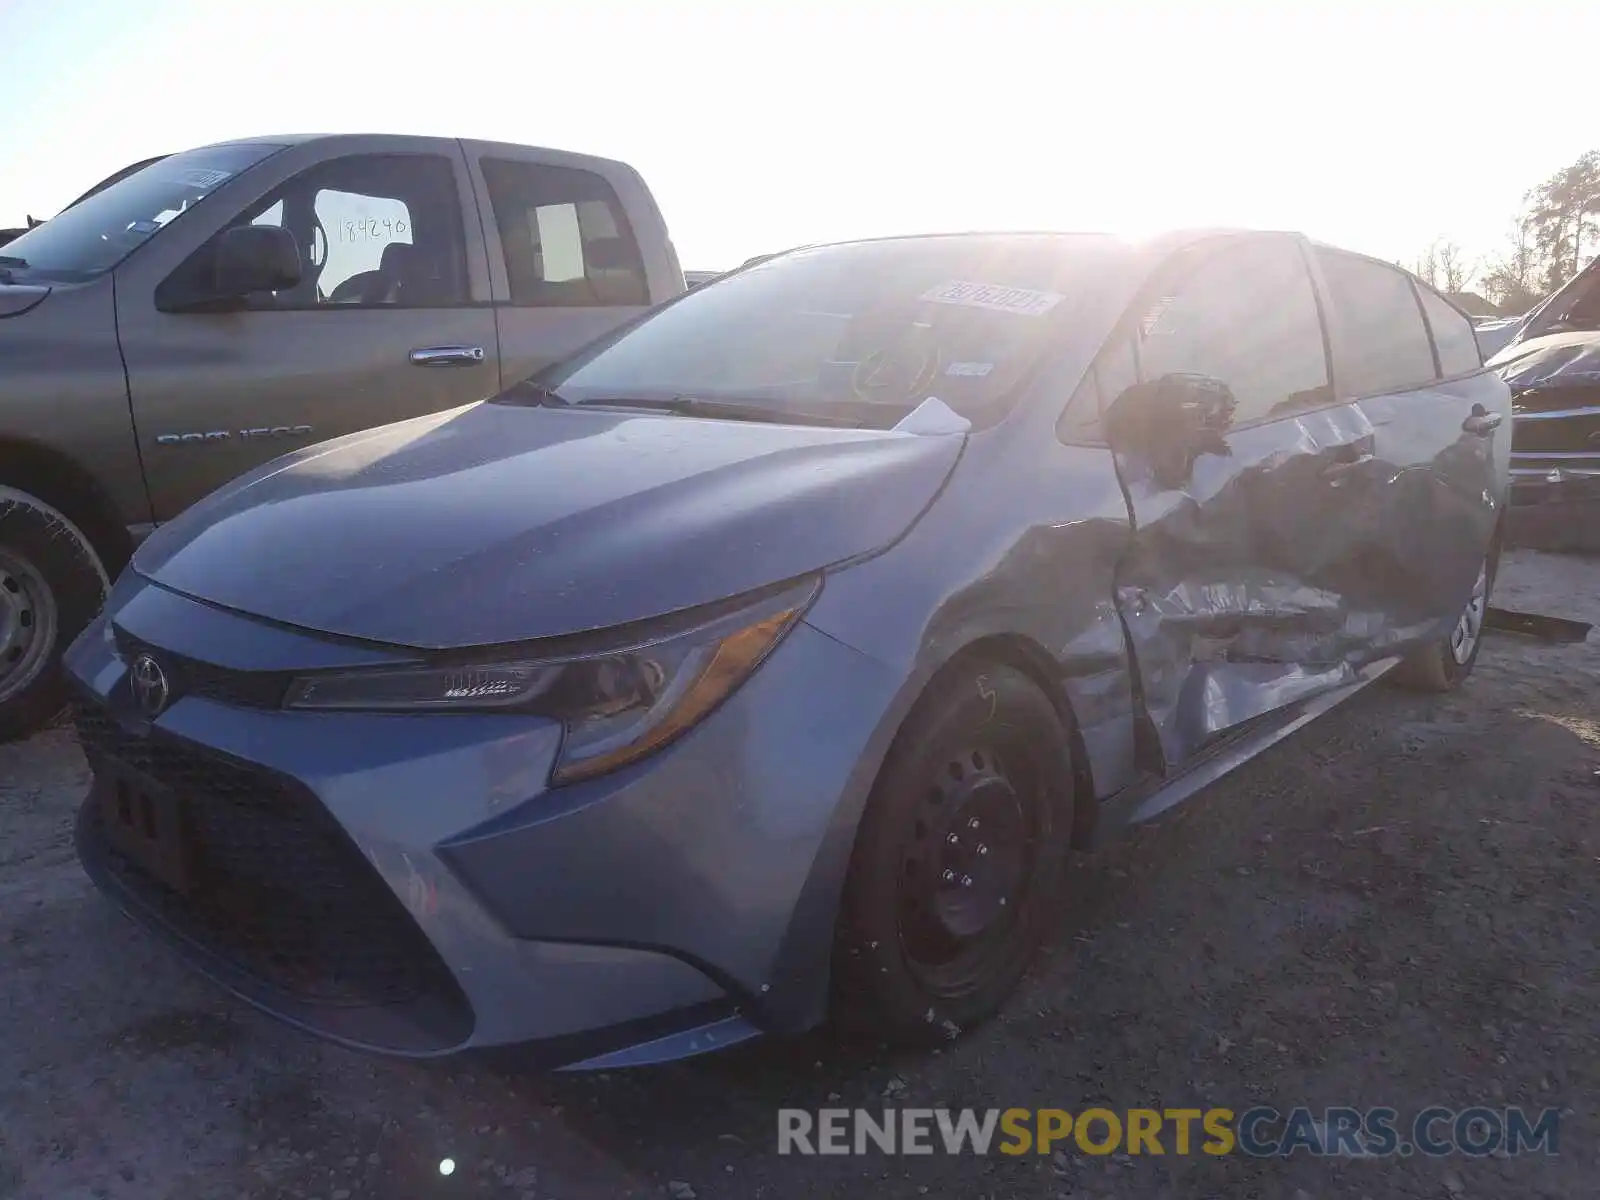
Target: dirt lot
{"points": [[1397, 906]]}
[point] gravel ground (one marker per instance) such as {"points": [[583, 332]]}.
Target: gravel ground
{"points": [[1396, 906]]}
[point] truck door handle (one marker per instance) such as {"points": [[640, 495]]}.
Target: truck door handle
{"points": [[1480, 422], [447, 356]]}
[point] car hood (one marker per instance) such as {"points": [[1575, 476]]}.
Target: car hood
{"points": [[1557, 360], [498, 523]]}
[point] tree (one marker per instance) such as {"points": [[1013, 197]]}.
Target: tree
{"points": [[1454, 271], [1442, 265], [1512, 279], [1427, 265], [1563, 214]]}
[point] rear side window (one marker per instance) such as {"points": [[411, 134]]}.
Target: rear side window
{"points": [[1244, 314], [566, 240], [1452, 335], [1385, 346]]}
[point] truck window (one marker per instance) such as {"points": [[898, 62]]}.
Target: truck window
{"points": [[566, 240], [98, 231], [374, 230]]}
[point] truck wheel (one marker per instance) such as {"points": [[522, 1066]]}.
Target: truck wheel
{"points": [[52, 584], [958, 863]]}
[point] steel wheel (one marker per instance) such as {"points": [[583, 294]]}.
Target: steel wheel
{"points": [[28, 621], [964, 870]]}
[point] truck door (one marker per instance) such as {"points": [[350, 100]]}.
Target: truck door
{"points": [[390, 319], [576, 247], [1232, 588]]}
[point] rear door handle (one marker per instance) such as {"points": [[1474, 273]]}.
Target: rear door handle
{"points": [[447, 356], [1482, 423]]}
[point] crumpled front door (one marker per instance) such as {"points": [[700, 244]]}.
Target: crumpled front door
{"points": [[1235, 588]]}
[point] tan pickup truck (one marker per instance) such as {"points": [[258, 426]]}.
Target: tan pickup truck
{"points": [[221, 306]]}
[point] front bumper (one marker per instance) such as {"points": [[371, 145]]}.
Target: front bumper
{"points": [[411, 885]]}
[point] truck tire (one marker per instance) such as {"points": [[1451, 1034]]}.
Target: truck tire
{"points": [[52, 583]]}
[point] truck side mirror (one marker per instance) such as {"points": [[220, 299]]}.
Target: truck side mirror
{"points": [[254, 258], [1169, 422], [237, 263]]}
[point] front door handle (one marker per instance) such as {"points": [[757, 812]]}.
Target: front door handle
{"points": [[447, 356]]}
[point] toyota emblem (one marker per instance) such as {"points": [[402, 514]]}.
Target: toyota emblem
{"points": [[150, 687]]}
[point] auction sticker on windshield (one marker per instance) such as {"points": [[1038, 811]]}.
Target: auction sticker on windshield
{"points": [[1022, 301], [200, 177]]}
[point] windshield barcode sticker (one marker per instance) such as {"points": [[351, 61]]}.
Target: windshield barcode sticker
{"points": [[1022, 301], [200, 177]]}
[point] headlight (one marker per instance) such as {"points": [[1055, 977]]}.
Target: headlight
{"points": [[618, 704]]}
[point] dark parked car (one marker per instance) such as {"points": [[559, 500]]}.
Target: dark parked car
{"points": [[1553, 368], [771, 654]]}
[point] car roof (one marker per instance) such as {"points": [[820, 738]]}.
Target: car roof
{"points": [[1168, 238], [1149, 248]]}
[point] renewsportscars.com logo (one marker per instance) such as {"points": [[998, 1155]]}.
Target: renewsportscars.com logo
{"points": [[1260, 1132]]}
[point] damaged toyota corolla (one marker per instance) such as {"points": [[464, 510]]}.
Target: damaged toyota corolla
{"points": [[766, 660]]}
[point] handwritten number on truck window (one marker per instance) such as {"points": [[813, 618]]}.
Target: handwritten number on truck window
{"points": [[372, 229]]}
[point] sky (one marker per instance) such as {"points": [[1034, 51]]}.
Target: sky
{"points": [[764, 124]]}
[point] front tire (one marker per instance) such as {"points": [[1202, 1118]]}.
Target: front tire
{"points": [[52, 584], [958, 863]]}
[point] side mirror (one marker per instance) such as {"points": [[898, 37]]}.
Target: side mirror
{"points": [[1170, 422], [253, 258], [237, 263]]}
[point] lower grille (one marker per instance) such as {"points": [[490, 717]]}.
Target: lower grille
{"points": [[278, 889], [1561, 423]]}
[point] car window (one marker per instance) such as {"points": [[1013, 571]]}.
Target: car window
{"points": [[566, 240], [1452, 332], [374, 230], [1114, 370], [1244, 314], [1384, 347]]}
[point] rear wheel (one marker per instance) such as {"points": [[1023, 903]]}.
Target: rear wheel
{"points": [[959, 859], [51, 586], [1442, 665]]}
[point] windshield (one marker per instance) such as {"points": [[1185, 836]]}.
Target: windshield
{"points": [[96, 234], [872, 327]]}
